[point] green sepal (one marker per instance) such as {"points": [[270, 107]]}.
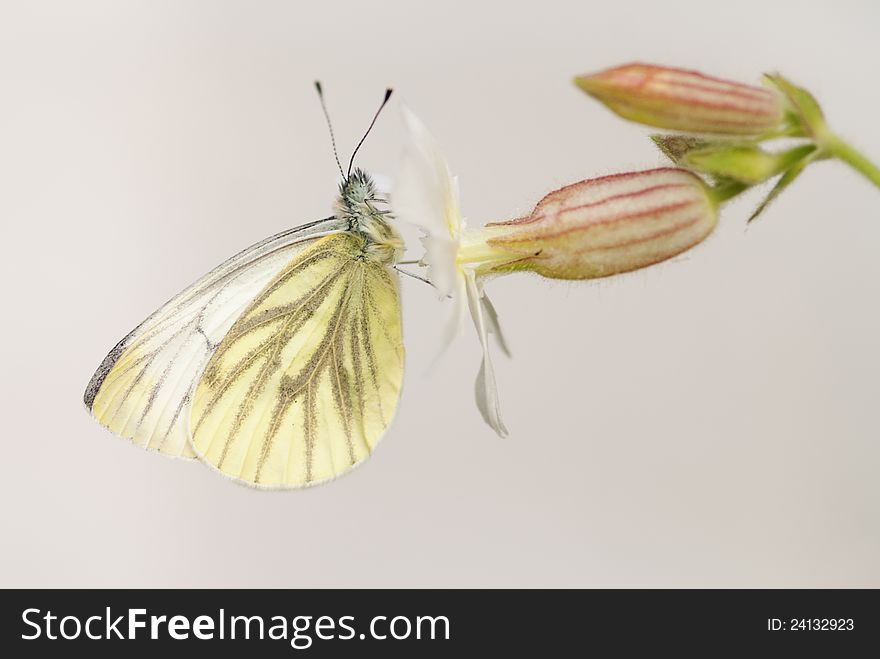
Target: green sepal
{"points": [[804, 109], [746, 163], [676, 146]]}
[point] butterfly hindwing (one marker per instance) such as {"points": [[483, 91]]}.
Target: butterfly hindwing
{"points": [[143, 388], [306, 381]]}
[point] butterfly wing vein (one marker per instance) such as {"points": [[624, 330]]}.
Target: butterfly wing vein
{"points": [[307, 379], [143, 388]]}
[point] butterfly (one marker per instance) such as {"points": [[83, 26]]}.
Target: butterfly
{"points": [[280, 368]]}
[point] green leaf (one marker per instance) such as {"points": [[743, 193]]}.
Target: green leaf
{"points": [[784, 181]]}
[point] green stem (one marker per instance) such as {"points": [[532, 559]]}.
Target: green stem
{"points": [[845, 152]]}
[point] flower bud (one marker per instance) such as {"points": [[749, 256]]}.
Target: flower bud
{"points": [[603, 226], [677, 99]]}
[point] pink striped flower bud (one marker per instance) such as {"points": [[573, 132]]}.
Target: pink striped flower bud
{"points": [[678, 99], [599, 227]]}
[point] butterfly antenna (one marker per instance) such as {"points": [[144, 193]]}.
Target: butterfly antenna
{"points": [[329, 126], [372, 123]]}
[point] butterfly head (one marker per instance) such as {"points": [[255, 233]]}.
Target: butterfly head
{"points": [[358, 194], [361, 205]]}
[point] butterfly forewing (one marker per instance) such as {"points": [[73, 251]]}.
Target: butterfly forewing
{"points": [[307, 379], [143, 388]]}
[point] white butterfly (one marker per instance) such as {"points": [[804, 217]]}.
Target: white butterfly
{"points": [[281, 367]]}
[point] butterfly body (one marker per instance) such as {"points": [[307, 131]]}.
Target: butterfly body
{"points": [[357, 205]]}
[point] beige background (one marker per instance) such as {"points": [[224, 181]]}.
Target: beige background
{"points": [[709, 422]]}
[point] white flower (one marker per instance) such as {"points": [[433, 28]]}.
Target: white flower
{"points": [[592, 228], [426, 195]]}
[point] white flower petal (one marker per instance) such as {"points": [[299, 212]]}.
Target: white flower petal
{"points": [[491, 317], [426, 196], [440, 256], [426, 191], [485, 388], [456, 317]]}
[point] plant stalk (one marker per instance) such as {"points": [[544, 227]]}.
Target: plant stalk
{"points": [[845, 152]]}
